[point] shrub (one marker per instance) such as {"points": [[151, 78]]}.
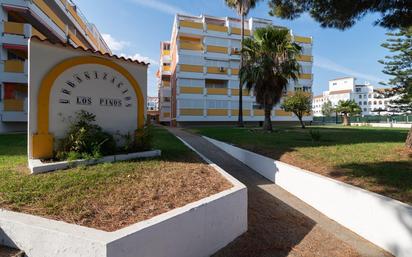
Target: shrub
{"points": [[315, 135], [140, 141], [84, 139]]}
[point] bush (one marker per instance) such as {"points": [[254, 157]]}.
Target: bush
{"points": [[315, 135], [85, 139], [140, 141]]}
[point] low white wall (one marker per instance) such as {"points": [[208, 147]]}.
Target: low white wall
{"points": [[379, 219], [197, 229], [384, 125]]}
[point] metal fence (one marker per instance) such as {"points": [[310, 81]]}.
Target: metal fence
{"points": [[367, 119]]}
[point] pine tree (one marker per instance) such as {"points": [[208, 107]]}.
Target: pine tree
{"points": [[399, 67]]}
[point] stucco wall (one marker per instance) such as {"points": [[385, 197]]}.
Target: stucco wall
{"points": [[379, 219]]}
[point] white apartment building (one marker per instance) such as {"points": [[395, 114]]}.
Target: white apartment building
{"points": [[371, 100], [198, 75], [59, 21]]}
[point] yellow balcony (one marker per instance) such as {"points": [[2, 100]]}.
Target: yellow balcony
{"points": [[259, 112], [194, 46], [166, 52], [236, 92], [191, 112], [217, 28], [166, 68], [35, 32], [13, 28], [191, 90], [166, 115], [217, 91], [15, 66], [217, 112], [13, 105], [238, 31], [235, 71], [245, 112], [235, 51], [42, 5], [191, 68], [217, 70], [282, 113], [76, 40], [166, 83], [300, 39], [191, 24], [217, 49], [305, 76], [305, 58]]}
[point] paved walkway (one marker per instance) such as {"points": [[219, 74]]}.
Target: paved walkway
{"points": [[279, 224]]}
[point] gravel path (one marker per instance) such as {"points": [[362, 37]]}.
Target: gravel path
{"points": [[280, 224]]}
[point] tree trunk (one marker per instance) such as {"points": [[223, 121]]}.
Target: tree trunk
{"points": [[408, 142], [267, 125], [302, 124], [242, 35], [345, 119]]}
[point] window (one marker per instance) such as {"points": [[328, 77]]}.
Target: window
{"points": [[364, 109], [360, 103], [257, 106], [215, 83], [370, 102], [166, 47], [217, 104], [358, 89], [360, 96], [365, 103], [334, 83], [166, 99], [190, 103], [374, 102], [380, 102]]}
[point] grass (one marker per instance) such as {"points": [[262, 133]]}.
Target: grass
{"points": [[111, 195], [372, 158]]}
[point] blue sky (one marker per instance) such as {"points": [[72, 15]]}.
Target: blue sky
{"points": [[136, 27]]}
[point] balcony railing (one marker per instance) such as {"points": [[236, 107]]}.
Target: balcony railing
{"points": [[13, 28], [15, 66], [13, 105]]}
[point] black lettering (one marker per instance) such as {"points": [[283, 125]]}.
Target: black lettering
{"points": [[113, 80], [127, 98], [71, 84], [64, 101], [65, 91], [124, 92], [128, 105], [82, 100], [96, 75], [87, 75], [120, 84], [105, 76], [77, 77]]}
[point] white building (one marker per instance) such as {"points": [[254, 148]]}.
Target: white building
{"points": [[371, 100]]}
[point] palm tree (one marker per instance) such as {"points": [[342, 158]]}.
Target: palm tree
{"points": [[269, 63], [242, 8], [348, 107]]}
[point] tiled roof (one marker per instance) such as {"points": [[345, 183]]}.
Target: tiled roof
{"points": [[79, 48]]}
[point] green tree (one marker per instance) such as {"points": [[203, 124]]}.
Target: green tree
{"points": [[300, 103], [327, 109], [269, 63], [242, 8], [346, 108], [343, 14], [399, 67]]}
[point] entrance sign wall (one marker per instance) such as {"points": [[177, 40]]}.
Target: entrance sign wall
{"points": [[64, 80]]}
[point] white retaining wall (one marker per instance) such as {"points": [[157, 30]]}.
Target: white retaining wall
{"points": [[197, 229], [379, 219], [384, 125]]}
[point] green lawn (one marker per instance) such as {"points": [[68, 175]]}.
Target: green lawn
{"points": [[371, 158], [106, 196]]}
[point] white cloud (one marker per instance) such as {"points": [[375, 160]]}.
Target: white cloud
{"points": [[141, 58], [327, 64], [160, 6], [115, 44]]}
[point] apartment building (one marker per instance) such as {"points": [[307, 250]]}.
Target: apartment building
{"points": [[199, 66], [372, 101], [55, 20]]}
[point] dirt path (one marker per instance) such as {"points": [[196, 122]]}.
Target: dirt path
{"points": [[280, 224]]}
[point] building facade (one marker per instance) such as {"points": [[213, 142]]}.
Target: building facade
{"points": [[59, 21], [372, 101], [199, 66]]}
